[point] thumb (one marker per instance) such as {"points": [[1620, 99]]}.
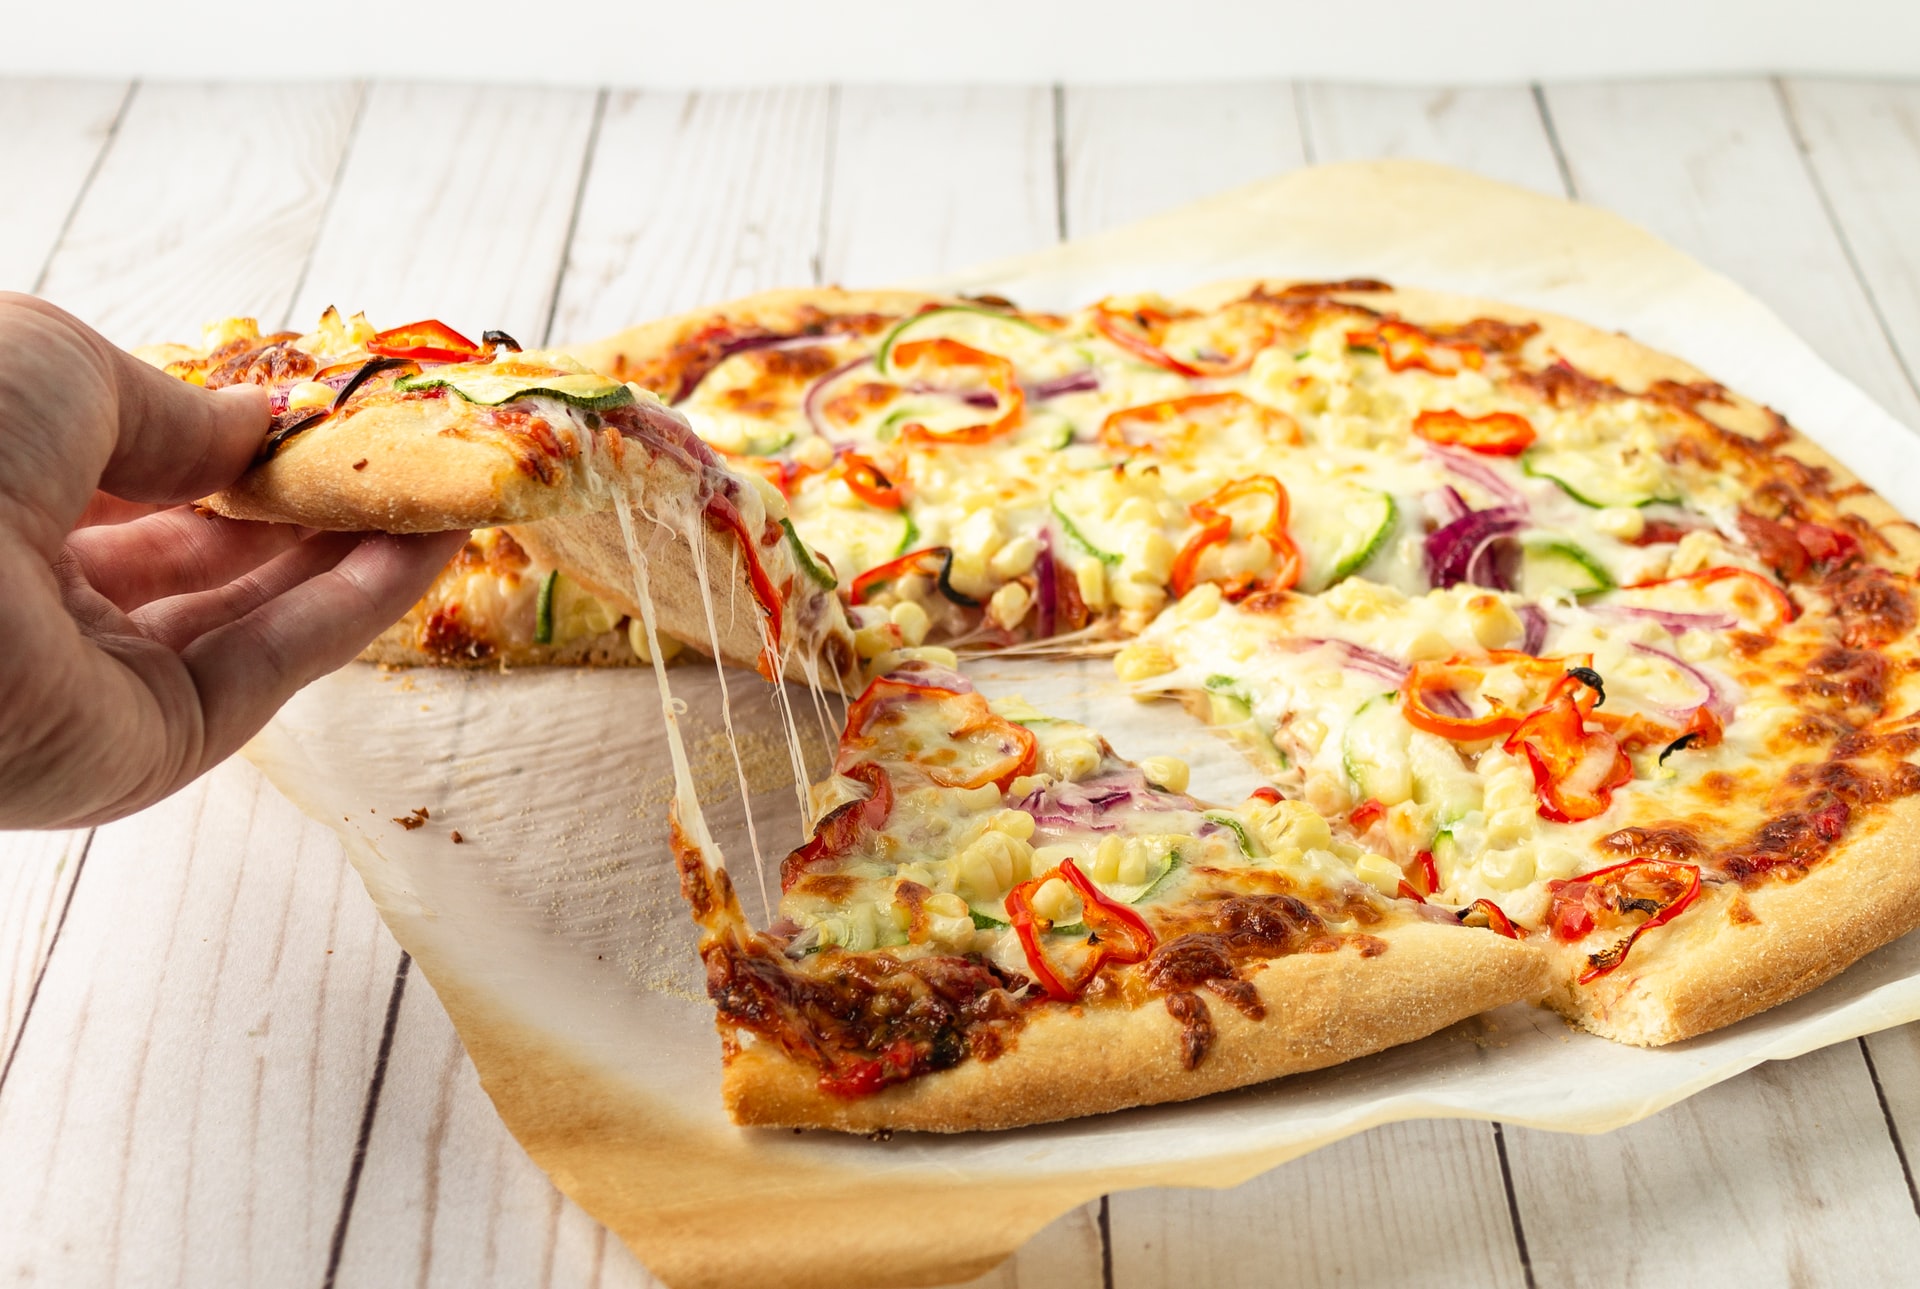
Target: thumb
{"points": [[178, 442]]}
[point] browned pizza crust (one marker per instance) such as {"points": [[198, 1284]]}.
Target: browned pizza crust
{"points": [[1322, 1009], [402, 468], [1739, 952]]}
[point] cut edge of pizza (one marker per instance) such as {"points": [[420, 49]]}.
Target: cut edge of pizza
{"points": [[997, 922]]}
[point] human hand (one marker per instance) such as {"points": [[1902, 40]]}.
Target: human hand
{"points": [[146, 641]]}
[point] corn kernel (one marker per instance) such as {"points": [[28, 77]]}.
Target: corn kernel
{"points": [[1622, 523], [1133, 864], [1028, 784], [1091, 577], [1147, 555], [1135, 596], [1380, 873], [1199, 604], [1506, 870], [1070, 756], [1142, 660], [911, 620], [1017, 824], [637, 641], [946, 904], [1009, 605], [868, 642], [1106, 859], [1016, 557], [310, 394], [984, 797], [1056, 902], [813, 452], [1168, 772], [1495, 624], [1137, 511]]}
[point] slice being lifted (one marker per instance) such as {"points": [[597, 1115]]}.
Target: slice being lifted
{"points": [[419, 429], [999, 922]]}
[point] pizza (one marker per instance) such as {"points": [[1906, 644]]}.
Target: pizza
{"points": [[999, 922], [1550, 632], [419, 429]]}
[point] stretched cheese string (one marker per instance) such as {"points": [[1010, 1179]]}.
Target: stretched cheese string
{"points": [[693, 822], [696, 539]]}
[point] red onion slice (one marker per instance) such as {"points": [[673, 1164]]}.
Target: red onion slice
{"points": [[1534, 619], [1715, 701], [1355, 657], [810, 401], [1046, 588], [1480, 474], [1467, 549], [1671, 619], [743, 345], [1078, 382]]}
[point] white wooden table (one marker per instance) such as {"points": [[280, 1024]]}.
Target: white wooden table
{"points": [[215, 1069]]}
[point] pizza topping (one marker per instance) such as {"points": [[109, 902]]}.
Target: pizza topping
{"points": [[429, 341], [1216, 529], [946, 359], [866, 481], [1661, 888], [1504, 434], [1752, 596], [1113, 932], [1142, 331], [1575, 769], [1476, 549], [936, 723], [492, 384], [1486, 913]]}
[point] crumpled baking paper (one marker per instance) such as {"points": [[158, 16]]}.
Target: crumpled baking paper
{"points": [[555, 935]]}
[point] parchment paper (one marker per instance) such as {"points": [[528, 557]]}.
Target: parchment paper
{"points": [[556, 938]]}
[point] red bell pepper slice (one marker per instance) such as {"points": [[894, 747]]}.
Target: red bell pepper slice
{"points": [[1004, 750], [1573, 904], [1500, 434], [1464, 671], [844, 825], [1140, 331], [1407, 892], [1265, 793], [1575, 770], [722, 513], [431, 341], [865, 1076], [1187, 415], [1405, 346], [866, 481], [1428, 870], [1784, 609], [943, 357], [1216, 528], [1119, 934]]}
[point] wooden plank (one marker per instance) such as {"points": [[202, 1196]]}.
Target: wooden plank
{"points": [[448, 1198], [183, 1106], [51, 136], [1782, 1176], [37, 874], [1402, 1204], [1712, 167], [1495, 132], [453, 204], [1201, 139], [205, 207], [928, 180], [693, 199], [1863, 142]]}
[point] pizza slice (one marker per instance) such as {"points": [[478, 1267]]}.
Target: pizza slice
{"points": [[997, 921], [1696, 794], [419, 429]]}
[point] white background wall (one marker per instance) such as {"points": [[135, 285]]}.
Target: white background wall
{"points": [[732, 42]]}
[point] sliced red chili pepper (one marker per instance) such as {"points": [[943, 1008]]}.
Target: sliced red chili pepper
{"points": [[1146, 426], [1573, 904], [1140, 331], [1501, 434], [943, 356], [912, 562], [429, 341], [1428, 870], [1003, 750], [1496, 920], [1216, 528], [722, 513], [865, 480], [1405, 346], [1575, 770], [1643, 729], [1406, 892], [843, 826], [1366, 814], [1784, 609], [1827, 547], [1119, 934], [1264, 793]]}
